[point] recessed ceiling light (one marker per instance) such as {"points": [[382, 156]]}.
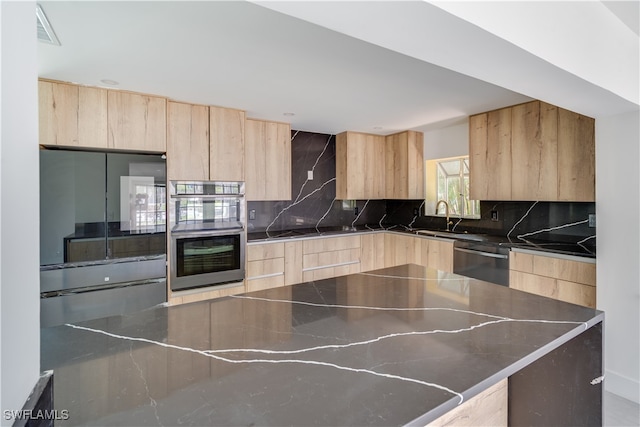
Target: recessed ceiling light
{"points": [[377, 127], [110, 82], [289, 114]]}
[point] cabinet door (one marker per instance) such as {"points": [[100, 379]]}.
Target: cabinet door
{"points": [[404, 174], [267, 160], [71, 115], [187, 142], [490, 155], [576, 157], [372, 251], [137, 122], [227, 144], [360, 166], [534, 150]]}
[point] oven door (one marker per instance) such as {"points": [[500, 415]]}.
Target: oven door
{"points": [[206, 258]]}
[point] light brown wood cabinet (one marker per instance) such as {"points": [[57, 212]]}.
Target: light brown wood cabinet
{"points": [[360, 166], [204, 143], [562, 279], [187, 141], [136, 122], [532, 151], [226, 150], [267, 160], [404, 172], [372, 251], [407, 249], [71, 115], [265, 266], [330, 257]]}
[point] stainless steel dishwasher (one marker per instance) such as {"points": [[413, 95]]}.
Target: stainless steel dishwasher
{"points": [[481, 260]]}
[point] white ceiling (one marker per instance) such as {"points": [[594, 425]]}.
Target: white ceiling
{"points": [[247, 56]]}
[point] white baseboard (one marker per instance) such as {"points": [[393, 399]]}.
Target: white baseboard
{"points": [[623, 386]]}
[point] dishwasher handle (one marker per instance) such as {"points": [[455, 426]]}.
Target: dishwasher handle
{"points": [[481, 253]]}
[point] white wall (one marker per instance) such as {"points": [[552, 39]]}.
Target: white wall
{"points": [[618, 234], [449, 141], [19, 277]]}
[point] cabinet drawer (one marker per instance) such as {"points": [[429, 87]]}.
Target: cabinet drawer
{"points": [[332, 258], [267, 267], [330, 244], [265, 251], [328, 272], [269, 282]]}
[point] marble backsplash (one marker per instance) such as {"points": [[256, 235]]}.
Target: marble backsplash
{"points": [[314, 205], [548, 221]]}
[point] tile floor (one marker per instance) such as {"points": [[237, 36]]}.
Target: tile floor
{"points": [[619, 411]]}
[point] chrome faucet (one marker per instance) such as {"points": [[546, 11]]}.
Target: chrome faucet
{"points": [[446, 210]]}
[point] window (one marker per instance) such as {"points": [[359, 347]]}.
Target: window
{"points": [[452, 185]]}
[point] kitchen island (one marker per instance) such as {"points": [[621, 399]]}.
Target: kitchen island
{"points": [[396, 346]]}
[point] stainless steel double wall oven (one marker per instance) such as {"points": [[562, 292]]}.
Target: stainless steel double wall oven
{"points": [[208, 234]]}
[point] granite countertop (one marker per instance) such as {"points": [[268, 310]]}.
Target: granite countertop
{"points": [[567, 248], [394, 346]]}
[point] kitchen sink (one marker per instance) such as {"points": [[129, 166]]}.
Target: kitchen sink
{"points": [[452, 235]]}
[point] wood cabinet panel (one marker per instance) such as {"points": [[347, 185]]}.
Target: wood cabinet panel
{"points": [[576, 157], [265, 251], [330, 258], [400, 249], [267, 160], [330, 244], [532, 283], [499, 154], [439, 254], [187, 141], [562, 279], [293, 263], [478, 151], [404, 166], [226, 157], [265, 267], [136, 122], [71, 115], [534, 150], [360, 166], [372, 251], [564, 269]]}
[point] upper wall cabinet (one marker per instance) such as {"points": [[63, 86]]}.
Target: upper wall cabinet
{"points": [[267, 160], [187, 142], [532, 151], [204, 143], [378, 167], [360, 166], [404, 174], [226, 151], [137, 122], [80, 116], [71, 115]]}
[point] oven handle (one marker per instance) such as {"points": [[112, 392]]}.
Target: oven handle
{"points": [[480, 253], [219, 232]]}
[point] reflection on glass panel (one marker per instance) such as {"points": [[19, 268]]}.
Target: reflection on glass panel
{"points": [[96, 206], [71, 210]]}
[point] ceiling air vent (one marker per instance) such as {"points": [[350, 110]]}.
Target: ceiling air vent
{"points": [[45, 32]]}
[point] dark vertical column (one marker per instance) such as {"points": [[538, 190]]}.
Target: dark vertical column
{"points": [[563, 388]]}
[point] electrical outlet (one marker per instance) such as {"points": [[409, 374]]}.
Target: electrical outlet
{"points": [[592, 220], [252, 214], [416, 212], [494, 215], [355, 211], [310, 175]]}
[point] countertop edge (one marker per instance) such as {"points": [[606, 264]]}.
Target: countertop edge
{"points": [[478, 388]]}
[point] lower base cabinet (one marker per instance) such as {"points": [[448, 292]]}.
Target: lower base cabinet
{"points": [[562, 279], [489, 408]]}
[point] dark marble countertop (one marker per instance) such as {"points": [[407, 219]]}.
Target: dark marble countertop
{"points": [[586, 250], [395, 346]]}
